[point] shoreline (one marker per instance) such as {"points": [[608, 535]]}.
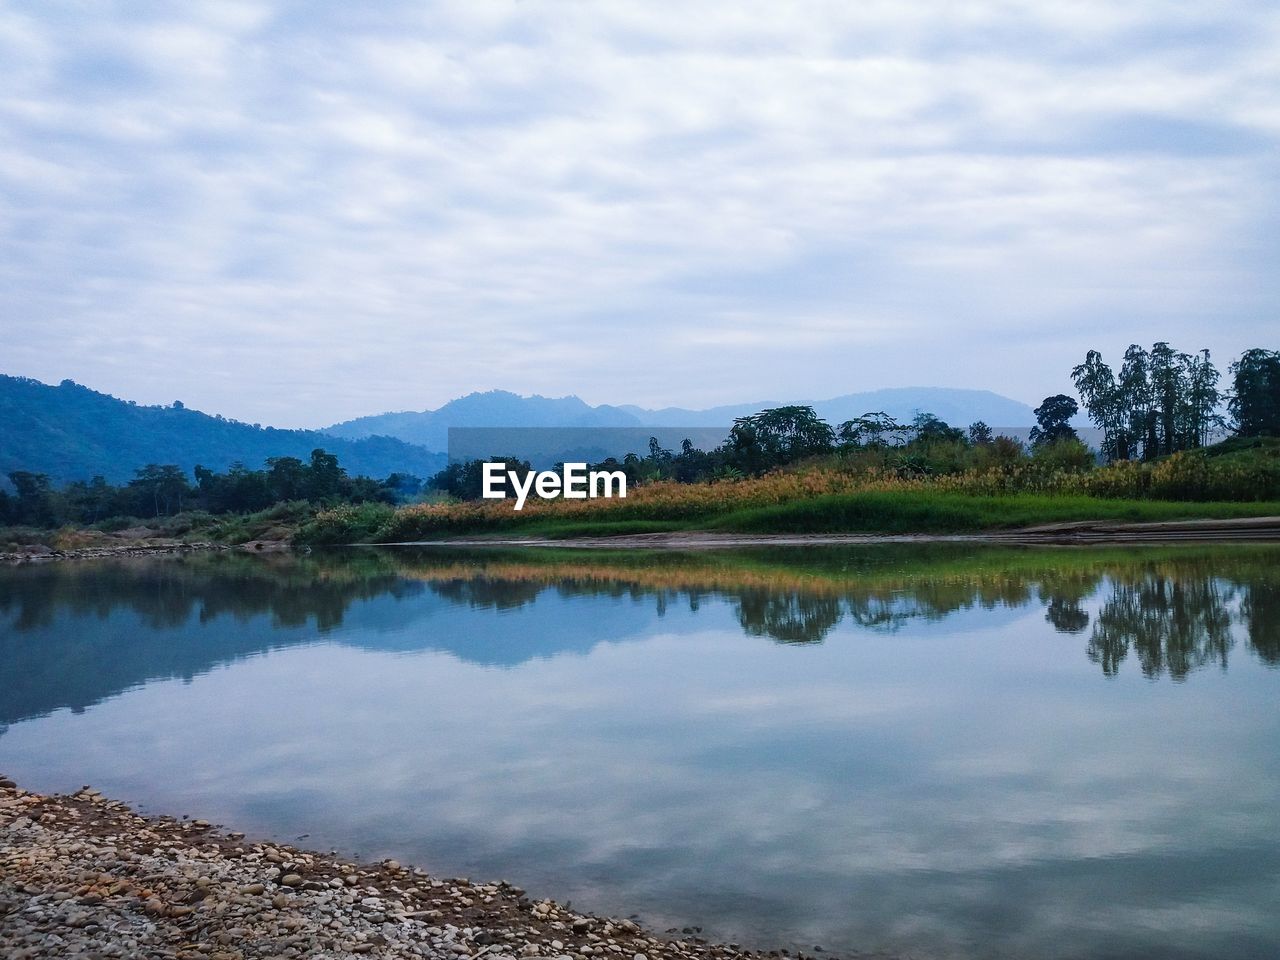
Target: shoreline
{"points": [[1078, 532], [1070, 533], [108, 551], [82, 873]]}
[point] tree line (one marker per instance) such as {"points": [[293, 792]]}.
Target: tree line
{"points": [[1162, 400], [162, 490], [781, 436]]}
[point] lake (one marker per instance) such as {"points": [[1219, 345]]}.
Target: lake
{"points": [[936, 751]]}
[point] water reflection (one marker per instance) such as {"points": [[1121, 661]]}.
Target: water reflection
{"points": [[910, 750], [63, 624], [1173, 626]]}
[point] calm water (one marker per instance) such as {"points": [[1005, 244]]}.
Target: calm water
{"points": [[937, 752]]}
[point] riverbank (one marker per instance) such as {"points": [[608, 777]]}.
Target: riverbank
{"points": [[1245, 530], [768, 507], [82, 875], [43, 553]]}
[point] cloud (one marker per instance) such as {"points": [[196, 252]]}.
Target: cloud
{"points": [[386, 207]]}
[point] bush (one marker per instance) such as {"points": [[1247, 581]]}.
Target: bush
{"points": [[348, 523], [1068, 455], [1121, 480]]}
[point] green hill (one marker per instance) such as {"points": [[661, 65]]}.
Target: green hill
{"points": [[73, 433]]}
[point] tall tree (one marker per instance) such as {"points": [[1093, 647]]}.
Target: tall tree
{"points": [[33, 500], [324, 476], [1053, 420], [1167, 371], [287, 477], [1161, 402], [980, 433], [1134, 384], [875, 430], [927, 428], [1202, 400], [1255, 403], [776, 436], [1097, 387], [162, 487]]}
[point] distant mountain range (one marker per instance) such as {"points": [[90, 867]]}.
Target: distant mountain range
{"points": [[498, 408], [71, 432]]}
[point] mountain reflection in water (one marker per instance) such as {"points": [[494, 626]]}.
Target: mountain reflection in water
{"points": [[1171, 609], [934, 750]]}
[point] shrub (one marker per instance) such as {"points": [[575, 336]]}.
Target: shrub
{"points": [[348, 523], [1068, 455]]}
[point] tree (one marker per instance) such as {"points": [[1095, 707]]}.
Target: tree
{"points": [[1161, 402], [1202, 400], [161, 484], [980, 434], [777, 436], [464, 479], [92, 501], [1134, 385], [1096, 385], [1255, 403], [288, 478], [324, 476], [873, 430], [1053, 418], [928, 428], [33, 501]]}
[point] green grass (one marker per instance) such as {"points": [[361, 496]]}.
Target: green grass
{"points": [[565, 529], [885, 512], [895, 512]]}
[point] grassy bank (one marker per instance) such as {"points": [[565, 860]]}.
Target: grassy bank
{"points": [[839, 496], [823, 497], [940, 512], [868, 511]]}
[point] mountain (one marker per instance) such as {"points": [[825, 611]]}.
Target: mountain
{"points": [[72, 433], [498, 408], [957, 407]]}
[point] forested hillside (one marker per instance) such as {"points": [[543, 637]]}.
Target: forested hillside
{"points": [[70, 432]]}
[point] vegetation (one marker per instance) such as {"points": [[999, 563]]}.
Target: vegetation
{"points": [[783, 469], [70, 432], [287, 485], [1161, 402], [1166, 611], [1255, 404], [825, 499]]}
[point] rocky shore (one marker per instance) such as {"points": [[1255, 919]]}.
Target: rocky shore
{"points": [[42, 553], [84, 876]]}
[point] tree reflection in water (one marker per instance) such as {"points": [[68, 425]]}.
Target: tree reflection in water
{"points": [[787, 617], [1173, 626], [1175, 610]]}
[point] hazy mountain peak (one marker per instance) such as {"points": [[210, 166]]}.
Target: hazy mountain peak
{"points": [[502, 408]]}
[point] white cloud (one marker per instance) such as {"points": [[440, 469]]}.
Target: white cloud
{"points": [[525, 195]]}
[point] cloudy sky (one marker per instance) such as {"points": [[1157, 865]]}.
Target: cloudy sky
{"points": [[296, 212]]}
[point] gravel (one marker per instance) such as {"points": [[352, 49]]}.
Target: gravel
{"points": [[84, 876]]}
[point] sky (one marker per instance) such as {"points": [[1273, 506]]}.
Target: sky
{"points": [[296, 213]]}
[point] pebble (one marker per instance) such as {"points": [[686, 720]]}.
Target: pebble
{"points": [[84, 876]]}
